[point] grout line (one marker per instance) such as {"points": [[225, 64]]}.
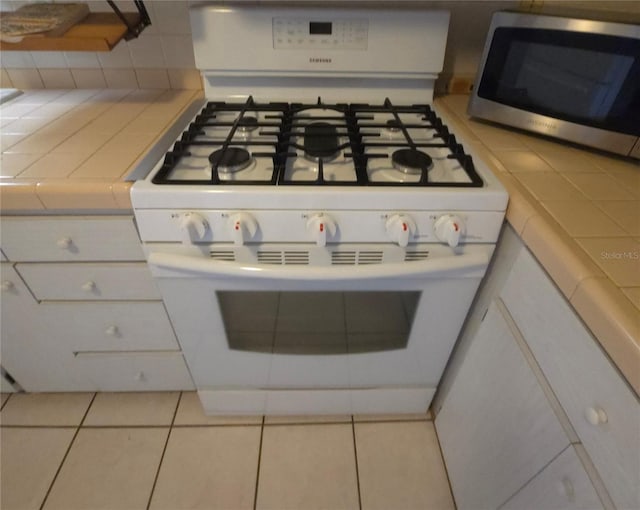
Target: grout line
{"points": [[164, 450], [355, 453], [444, 464], [66, 454], [255, 494]]}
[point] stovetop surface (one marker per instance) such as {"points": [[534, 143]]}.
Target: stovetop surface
{"points": [[251, 143]]}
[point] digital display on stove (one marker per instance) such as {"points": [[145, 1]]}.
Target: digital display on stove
{"points": [[320, 28]]}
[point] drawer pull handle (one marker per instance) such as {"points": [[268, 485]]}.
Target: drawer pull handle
{"points": [[140, 377], [112, 331], [7, 285], [89, 286], [64, 243], [596, 416]]}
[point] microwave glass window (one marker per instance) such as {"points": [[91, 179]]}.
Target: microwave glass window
{"points": [[585, 78], [312, 323]]}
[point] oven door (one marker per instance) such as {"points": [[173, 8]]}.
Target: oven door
{"points": [[249, 333]]}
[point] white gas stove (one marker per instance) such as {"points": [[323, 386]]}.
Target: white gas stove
{"points": [[317, 232]]}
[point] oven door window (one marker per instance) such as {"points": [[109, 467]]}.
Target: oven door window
{"points": [[312, 323], [584, 78]]}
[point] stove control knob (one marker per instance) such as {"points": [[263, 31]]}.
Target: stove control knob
{"points": [[400, 228], [449, 228], [321, 227], [243, 228], [193, 227]]}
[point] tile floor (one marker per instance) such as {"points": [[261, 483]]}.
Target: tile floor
{"points": [[126, 451]]}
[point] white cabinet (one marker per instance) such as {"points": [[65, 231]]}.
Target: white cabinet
{"points": [[81, 311], [485, 411], [603, 410], [564, 484], [496, 429]]}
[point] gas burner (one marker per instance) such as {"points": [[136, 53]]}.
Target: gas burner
{"points": [[411, 161], [247, 124], [393, 125], [230, 160], [321, 142]]}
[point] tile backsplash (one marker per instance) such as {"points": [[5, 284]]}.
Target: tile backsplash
{"points": [[162, 57]]}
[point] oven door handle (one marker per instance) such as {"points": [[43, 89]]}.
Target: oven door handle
{"points": [[473, 264]]}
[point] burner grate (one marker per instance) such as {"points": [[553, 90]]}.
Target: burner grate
{"points": [[277, 134]]}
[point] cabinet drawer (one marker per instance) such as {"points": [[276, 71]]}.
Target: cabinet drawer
{"points": [[129, 326], [80, 238], [145, 371], [89, 281], [562, 485], [603, 410]]}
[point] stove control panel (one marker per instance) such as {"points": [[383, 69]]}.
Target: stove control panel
{"points": [[320, 34]]}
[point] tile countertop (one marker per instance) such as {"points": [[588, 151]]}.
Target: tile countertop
{"points": [[68, 150], [578, 211]]}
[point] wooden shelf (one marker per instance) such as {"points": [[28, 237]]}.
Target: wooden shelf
{"points": [[99, 31]]}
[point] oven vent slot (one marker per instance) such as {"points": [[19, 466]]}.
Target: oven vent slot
{"points": [[343, 258], [296, 258], [227, 255], [412, 256], [270, 257], [369, 257]]}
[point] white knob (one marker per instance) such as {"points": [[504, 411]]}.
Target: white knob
{"points": [[140, 377], [7, 286], [565, 487], [400, 228], [321, 227], [596, 415], [89, 286], [243, 228], [64, 243], [193, 227], [112, 331], [449, 228]]}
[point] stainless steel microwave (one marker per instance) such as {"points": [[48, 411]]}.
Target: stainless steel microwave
{"points": [[573, 79]]}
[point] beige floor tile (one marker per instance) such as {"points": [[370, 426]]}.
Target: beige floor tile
{"points": [[618, 257], [132, 408], [307, 467], [4, 397], [307, 419], [190, 413], [581, 218], [46, 409], [392, 417], [30, 458], [208, 468], [400, 466], [109, 469]]}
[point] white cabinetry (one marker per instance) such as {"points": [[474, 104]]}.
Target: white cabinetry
{"points": [[496, 428], [524, 342], [563, 484], [84, 313]]}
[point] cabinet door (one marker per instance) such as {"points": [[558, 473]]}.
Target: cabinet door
{"points": [[17, 327], [562, 485], [603, 410], [496, 426]]}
